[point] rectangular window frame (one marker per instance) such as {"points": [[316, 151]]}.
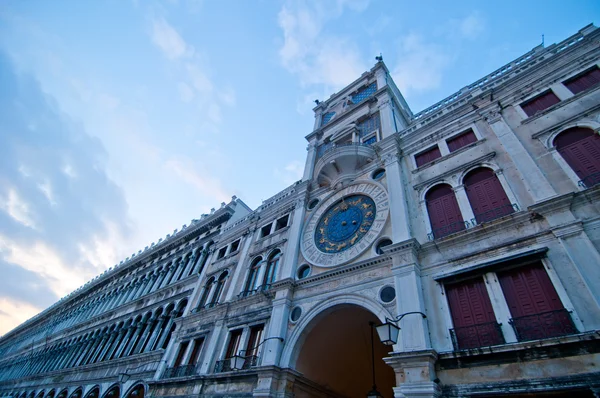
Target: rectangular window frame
{"points": [[580, 75], [426, 151], [458, 136], [282, 222], [523, 105]]}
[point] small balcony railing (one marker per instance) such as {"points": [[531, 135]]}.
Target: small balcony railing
{"points": [[544, 325], [493, 214], [590, 181], [261, 288], [481, 335], [448, 229], [225, 364], [179, 371]]}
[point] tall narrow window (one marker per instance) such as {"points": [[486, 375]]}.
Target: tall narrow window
{"points": [[204, 256], [271, 271], [580, 147], [428, 156], [252, 277], [218, 289], [536, 309], [539, 103], [182, 349], [583, 81], [472, 315], [486, 195], [461, 140], [206, 292], [234, 343], [197, 347], [256, 333], [444, 213]]}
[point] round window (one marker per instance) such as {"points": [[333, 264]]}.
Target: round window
{"points": [[382, 243], [313, 203], [378, 174], [303, 271], [296, 313], [387, 294]]}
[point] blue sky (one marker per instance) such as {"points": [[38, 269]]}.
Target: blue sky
{"points": [[122, 120]]}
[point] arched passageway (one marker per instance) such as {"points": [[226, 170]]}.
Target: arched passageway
{"points": [[335, 352]]}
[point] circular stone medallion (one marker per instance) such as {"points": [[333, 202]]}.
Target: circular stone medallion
{"points": [[345, 225]]}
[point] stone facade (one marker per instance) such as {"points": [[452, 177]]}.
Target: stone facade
{"points": [[477, 216]]}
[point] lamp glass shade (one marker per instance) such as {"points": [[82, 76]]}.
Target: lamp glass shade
{"points": [[388, 333], [237, 362]]}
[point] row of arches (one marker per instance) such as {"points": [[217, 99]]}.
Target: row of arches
{"points": [[143, 333], [138, 390], [121, 292]]}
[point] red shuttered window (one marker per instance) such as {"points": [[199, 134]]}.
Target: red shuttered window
{"points": [[472, 315], [428, 156], [539, 103], [486, 195], [583, 81], [536, 309], [461, 140], [580, 147], [444, 213]]}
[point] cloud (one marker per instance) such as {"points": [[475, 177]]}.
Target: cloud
{"points": [[166, 38], [185, 92], [471, 26], [420, 64], [291, 172], [313, 55], [57, 202], [199, 178]]}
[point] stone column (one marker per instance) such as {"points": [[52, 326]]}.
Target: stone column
{"points": [[166, 331], [397, 198], [133, 340], [112, 337], [119, 341], [155, 335], [161, 277], [170, 272], [126, 340], [271, 350], [179, 268], [463, 203], [415, 374], [99, 348], [535, 181], [311, 158], [290, 257], [150, 327], [214, 340], [190, 264], [150, 285], [87, 344], [386, 116], [239, 269]]}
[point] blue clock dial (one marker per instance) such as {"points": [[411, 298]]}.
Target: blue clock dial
{"points": [[345, 223]]}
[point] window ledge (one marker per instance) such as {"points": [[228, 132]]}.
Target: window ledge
{"points": [[519, 346], [448, 156], [559, 104]]}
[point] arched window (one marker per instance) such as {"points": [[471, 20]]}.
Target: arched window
{"points": [[219, 289], [580, 147], [206, 292], [204, 256], [486, 195], [443, 210], [271, 271], [250, 287]]}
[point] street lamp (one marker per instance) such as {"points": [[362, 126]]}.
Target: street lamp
{"points": [[388, 331], [373, 393], [238, 361]]}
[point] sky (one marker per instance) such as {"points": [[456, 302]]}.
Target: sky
{"points": [[122, 120]]}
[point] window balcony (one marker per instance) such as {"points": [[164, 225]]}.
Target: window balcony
{"points": [[480, 335], [179, 371], [342, 161], [590, 181], [493, 214], [225, 364], [544, 325]]}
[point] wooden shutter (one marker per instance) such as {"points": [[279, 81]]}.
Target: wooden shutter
{"points": [[472, 314], [535, 307], [428, 156], [182, 348], [461, 141], [444, 213], [583, 81], [539, 103], [486, 195], [234, 343], [196, 351], [580, 147], [254, 340]]}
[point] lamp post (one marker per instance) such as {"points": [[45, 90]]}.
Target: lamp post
{"points": [[388, 331], [373, 393], [238, 361]]}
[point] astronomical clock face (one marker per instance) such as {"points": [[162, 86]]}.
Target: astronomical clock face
{"points": [[345, 225]]}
